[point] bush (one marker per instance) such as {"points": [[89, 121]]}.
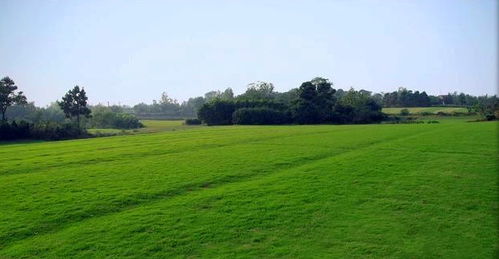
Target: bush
{"points": [[104, 117], [432, 121], [490, 117], [15, 130], [192, 122], [259, 116], [404, 112], [57, 131], [402, 120], [443, 113], [425, 113], [367, 112], [43, 130], [459, 113], [126, 121], [217, 112]]}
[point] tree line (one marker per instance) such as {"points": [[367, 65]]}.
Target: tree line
{"points": [[313, 102], [63, 119], [408, 98]]}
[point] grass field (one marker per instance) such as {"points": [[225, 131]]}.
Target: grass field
{"points": [[434, 110], [408, 190]]}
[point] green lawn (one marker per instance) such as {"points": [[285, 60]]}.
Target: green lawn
{"points": [[407, 191], [434, 110]]}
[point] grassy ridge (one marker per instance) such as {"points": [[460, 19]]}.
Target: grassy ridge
{"points": [[150, 126], [364, 190], [434, 110]]}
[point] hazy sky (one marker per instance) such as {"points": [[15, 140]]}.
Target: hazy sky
{"points": [[131, 51]]}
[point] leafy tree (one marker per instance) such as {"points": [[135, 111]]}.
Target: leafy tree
{"points": [[228, 94], [357, 107], [487, 107], [407, 98], [74, 104], [325, 99], [306, 110], [259, 116], [105, 117], [259, 91], [8, 95], [287, 98], [217, 112], [165, 99], [211, 95]]}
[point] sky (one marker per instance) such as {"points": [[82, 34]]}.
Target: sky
{"points": [[127, 52]]}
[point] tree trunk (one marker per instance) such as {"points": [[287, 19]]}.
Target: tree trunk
{"points": [[3, 115]]}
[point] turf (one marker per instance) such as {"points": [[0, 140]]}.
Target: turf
{"points": [[412, 190], [434, 109]]}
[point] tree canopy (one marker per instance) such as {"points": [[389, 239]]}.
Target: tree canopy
{"points": [[74, 104], [9, 96]]}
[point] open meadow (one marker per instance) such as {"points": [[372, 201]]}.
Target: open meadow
{"points": [[386, 190]]}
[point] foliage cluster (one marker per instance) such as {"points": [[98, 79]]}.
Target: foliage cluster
{"points": [[105, 117], [193, 122], [314, 102], [41, 130]]}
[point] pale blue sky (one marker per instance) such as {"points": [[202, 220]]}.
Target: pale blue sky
{"points": [[131, 51]]}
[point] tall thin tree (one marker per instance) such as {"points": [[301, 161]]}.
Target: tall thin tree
{"points": [[74, 104]]}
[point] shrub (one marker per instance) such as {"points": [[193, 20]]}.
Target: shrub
{"points": [[15, 130], [366, 112], [217, 112], [490, 117], [259, 116], [432, 121], [404, 112], [192, 122], [440, 113], [104, 117], [126, 121], [57, 131], [43, 130], [459, 113], [425, 113]]}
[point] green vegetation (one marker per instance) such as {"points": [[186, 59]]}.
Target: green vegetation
{"points": [[412, 191], [9, 96], [107, 118]]}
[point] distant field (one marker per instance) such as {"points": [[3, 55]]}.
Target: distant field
{"points": [[407, 191], [415, 110], [150, 127]]}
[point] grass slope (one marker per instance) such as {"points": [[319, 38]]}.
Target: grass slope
{"points": [[419, 190]]}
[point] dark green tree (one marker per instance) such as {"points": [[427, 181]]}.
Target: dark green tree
{"points": [[217, 112], [8, 95], [74, 104], [259, 91], [306, 110], [325, 99]]}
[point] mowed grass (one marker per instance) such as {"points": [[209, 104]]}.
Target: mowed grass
{"points": [[408, 190], [434, 110]]}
